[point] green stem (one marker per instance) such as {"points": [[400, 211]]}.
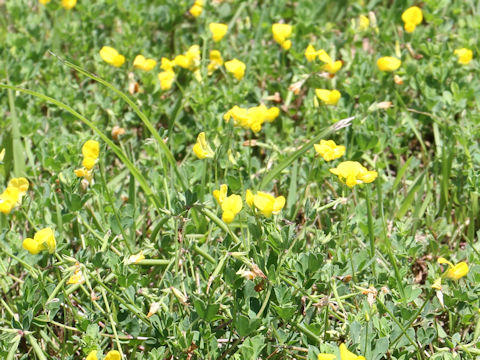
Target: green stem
{"points": [[371, 231]]}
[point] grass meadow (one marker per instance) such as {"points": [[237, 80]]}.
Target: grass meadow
{"points": [[239, 179]]}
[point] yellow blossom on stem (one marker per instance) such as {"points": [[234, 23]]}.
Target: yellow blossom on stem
{"points": [[69, 4], [345, 354], [464, 55], [111, 56], [437, 284], [329, 150], [268, 204], [412, 17], [454, 272], [202, 149], [231, 206], [21, 184], [215, 61], [218, 31], [363, 22], [9, 199], [92, 355], [166, 79], [167, 64], [281, 33], [220, 195], [113, 355], [43, 240], [143, 63], [91, 149], [76, 278], [197, 8], [249, 197], [329, 97], [236, 68], [388, 63], [333, 67], [353, 173], [136, 258], [310, 53]]}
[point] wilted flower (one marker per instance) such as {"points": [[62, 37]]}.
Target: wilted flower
{"points": [[215, 61], [197, 8], [201, 148], [329, 150], [268, 204], [412, 17], [144, 64], [281, 33], [353, 173], [218, 31], [154, 307], [117, 131], [236, 67], [166, 79], [43, 240], [329, 97], [388, 63], [454, 272], [76, 278], [69, 4], [464, 55], [135, 258], [247, 274], [111, 56]]}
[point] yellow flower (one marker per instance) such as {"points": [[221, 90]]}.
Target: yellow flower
{"points": [[8, 199], [91, 149], [190, 59], [329, 150], [437, 284], [310, 53], [454, 272], [167, 65], [388, 63], [166, 79], [76, 278], [43, 240], [111, 56], [281, 32], [252, 118], [113, 355], [268, 204], [44, 2], [326, 357], [412, 17], [86, 174], [236, 67], [231, 206], [353, 173], [333, 67], [201, 148], [329, 97], [92, 355], [464, 55], [215, 61], [19, 183], [218, 31], [220, 195], [144, 64], [69, 4], [347, 355], [363, 22], [197, 8]]}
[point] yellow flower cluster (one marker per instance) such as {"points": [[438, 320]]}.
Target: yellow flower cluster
{"points": [[236, 68], [111, 355], [464, 55], [77, 277], [345, 354], [43, 240], [412, 17], [218, 31], [252, 118], [328, 97], [353, 173], [90, 151], [231, 205], [111, 56], [142, 63], [281, 33], [12, 196]]}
